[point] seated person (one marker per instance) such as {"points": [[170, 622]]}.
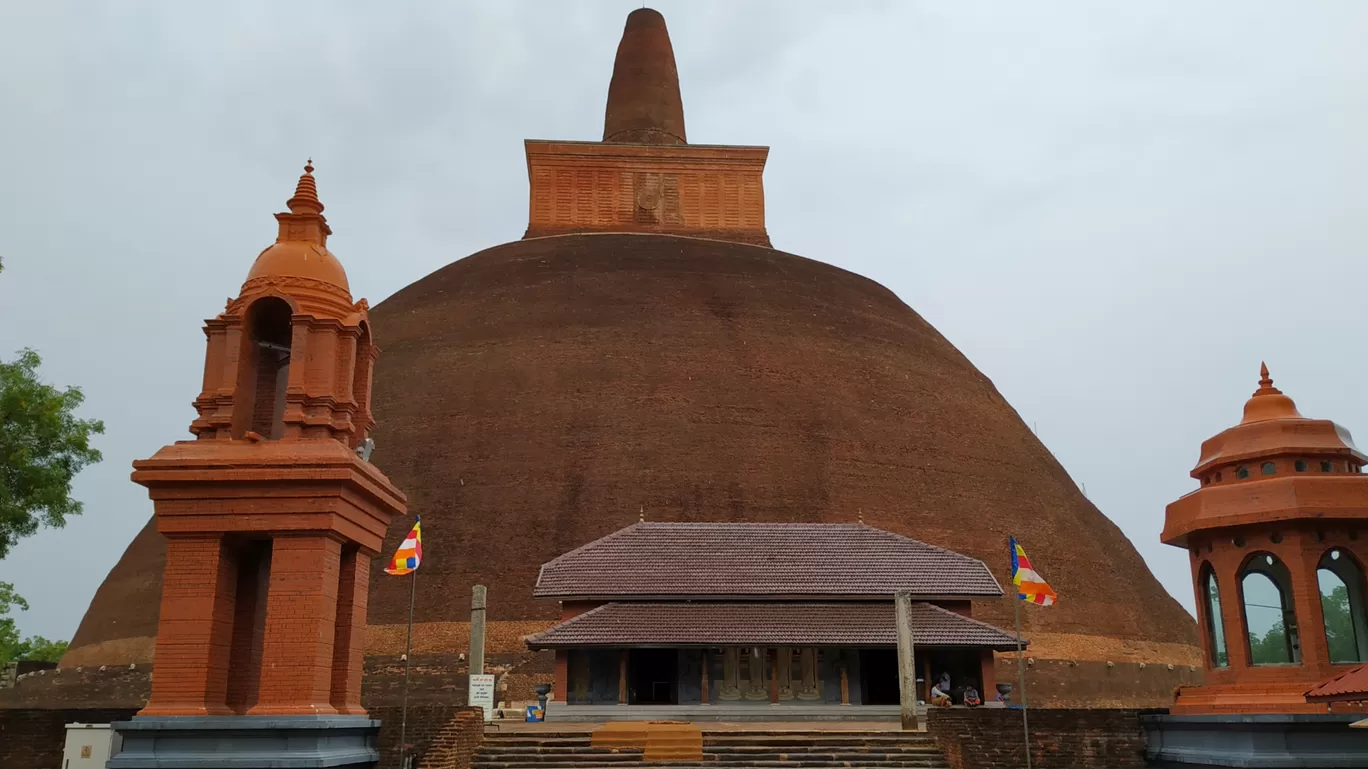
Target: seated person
{"points": [[939, 698], [971, 697]]}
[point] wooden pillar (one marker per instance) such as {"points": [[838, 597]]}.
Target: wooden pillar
{"points": [[349, 644], [703, 684], [560, 688], [194, 636], [907, 664], [845, 683], [301, 615], [731, 675], [622, 678], [774, 676], [988, 664]]}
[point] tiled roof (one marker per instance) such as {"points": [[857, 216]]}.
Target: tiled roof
{"points": [[850, 623], [801, 560], [1345, 687]]}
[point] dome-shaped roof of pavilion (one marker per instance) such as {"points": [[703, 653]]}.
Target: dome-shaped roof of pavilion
{"points": [[301, 251], [1272, 427]]}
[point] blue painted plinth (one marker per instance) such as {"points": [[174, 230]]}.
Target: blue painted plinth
{"points": [[1256, 741], [246, 742]]}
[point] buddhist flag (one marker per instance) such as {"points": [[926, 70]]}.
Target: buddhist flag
{"points": [[410, 552], [1031, 587]]}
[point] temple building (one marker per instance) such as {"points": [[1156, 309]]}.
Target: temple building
{"points": [[760, 613], [644, 346]]}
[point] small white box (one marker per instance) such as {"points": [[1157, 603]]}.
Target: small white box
{"points": [[89, 746]]}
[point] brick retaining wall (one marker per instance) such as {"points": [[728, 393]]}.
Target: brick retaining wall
{"points": [[33, 739], [991, 738], [442, 736]]}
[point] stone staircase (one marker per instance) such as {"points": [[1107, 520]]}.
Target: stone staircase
{"points": [[799, 749]]}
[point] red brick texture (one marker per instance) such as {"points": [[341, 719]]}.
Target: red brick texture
{"points": [[353, 585], [301, 612], [33, 739], [1241, 687], [441, 736], [195, 634], [992, 738]]}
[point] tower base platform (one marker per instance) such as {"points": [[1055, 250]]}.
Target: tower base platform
{"points": [[1265, 741], [246, 742]]}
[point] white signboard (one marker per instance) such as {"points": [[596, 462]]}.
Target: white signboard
{"points": [[481, 694]]}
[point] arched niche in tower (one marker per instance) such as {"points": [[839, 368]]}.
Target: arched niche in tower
{"points": [[1340, 577], [1217, 652], [264, 369], [1270, 617]]}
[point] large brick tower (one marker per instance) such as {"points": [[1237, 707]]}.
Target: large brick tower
{"points": [[272, 514], [1278, 536]]}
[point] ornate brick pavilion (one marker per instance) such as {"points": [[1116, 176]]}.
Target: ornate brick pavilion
{"points": [[716, 613], [1278, 535]]}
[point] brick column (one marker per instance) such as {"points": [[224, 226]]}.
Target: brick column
{"points": [[301, 613], [560, 688], [353, 584], [194, 635]]}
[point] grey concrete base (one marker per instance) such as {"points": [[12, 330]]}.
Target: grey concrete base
{"points": [[757, 711], [1263, 741], [246, 742]]}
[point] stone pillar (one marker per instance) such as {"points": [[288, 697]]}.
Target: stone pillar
{"points": [[784, 677], [477, 631], [349, 641], [194, 636], [756, 671], [807, 665], [301, 615], [731, 675], [907, 664]]}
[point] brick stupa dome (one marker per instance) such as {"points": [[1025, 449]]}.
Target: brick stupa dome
{"points": [[644, 352]]}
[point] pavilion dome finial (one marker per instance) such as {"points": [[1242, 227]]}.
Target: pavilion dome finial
{"points": [[1268, 402], [305, 200], [644, 106]]}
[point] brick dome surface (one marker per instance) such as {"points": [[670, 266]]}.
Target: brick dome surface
{"points": [[543, 393]]}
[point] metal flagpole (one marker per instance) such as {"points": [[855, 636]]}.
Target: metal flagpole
{"points": [[408, 652], [1021, 669]]}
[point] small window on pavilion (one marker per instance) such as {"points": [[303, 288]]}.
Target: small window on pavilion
{"points": [[1270, 617], [1218, 477], [1327, 467], [1300, 465], [1242, 472], [1268, 468], [1341, 594]]}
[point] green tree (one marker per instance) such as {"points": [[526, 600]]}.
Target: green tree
{"points": [[1339, 625], [31, 648], [1272, 649], [42, 447]]}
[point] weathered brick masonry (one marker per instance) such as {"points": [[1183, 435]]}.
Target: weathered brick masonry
{"points": [[1060, 739], [33, 739]]}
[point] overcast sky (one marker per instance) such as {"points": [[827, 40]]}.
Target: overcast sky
{"points": [[1115, 209]]}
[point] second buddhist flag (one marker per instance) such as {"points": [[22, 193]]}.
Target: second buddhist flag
{"points": [[410, 552], [1031, 587]]}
